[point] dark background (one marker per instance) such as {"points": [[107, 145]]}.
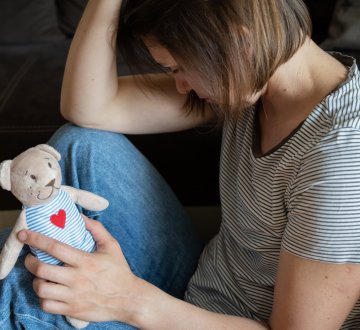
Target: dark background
{"points": [[34, 40]]}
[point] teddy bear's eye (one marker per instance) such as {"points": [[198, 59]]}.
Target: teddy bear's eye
{"points": [[50, 165], [32, 176]]}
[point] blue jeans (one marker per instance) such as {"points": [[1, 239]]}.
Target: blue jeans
{"points": [[146, 218]]}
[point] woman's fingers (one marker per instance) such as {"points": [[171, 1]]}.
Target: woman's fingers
{"points": [[59, 250], [54, 306], [66, 253], [104, 240], [53, 291], [53, 273]]}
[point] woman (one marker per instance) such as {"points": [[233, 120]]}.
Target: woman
{"points": [[287, 254]]}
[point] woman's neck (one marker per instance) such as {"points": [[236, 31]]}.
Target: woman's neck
{"points": [[302, 82], [294, 90]]}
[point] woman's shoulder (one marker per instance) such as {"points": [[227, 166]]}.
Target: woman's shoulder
{"points": [[343, 105], [336, 120], [331, 133]]}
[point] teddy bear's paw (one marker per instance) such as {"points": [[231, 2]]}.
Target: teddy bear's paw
{"points": [[77, 323], [4, 271]]}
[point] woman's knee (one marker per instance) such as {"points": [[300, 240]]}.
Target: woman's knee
{"points": [[69, 137], [96, 151]]}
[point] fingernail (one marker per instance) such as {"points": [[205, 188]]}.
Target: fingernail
{"points": [[22, 235]]}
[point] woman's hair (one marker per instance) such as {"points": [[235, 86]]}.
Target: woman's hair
{"points": [[233, 45]]}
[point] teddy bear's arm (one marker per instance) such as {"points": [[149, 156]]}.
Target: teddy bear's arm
{"points": [[12, 247], [86, 199]]}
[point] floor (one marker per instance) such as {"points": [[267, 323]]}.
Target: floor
{"points": [[205, 218]]}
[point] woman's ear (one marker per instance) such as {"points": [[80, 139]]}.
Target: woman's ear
{"points": [[5, 181]]}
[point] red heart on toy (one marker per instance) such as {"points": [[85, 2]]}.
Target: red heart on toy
{"points": [[59, 219]]}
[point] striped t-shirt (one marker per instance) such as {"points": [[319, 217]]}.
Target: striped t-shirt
{"points": [[303, 196], [61, 220]]}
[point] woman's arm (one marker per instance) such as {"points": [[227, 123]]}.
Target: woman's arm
{"points": [[313, 295], [308, 294], [100, 287], [94, 96]]}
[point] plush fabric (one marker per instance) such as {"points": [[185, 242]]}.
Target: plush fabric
{"points": [[344, 30], [28, 21]]}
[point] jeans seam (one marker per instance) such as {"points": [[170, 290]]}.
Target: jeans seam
{"points": [[37, 320]]}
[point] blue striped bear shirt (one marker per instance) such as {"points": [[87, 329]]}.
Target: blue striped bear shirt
{"points": [[61, 220]]}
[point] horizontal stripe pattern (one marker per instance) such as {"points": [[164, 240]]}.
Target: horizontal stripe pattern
{"points": [[304, 197], [74, 233]]}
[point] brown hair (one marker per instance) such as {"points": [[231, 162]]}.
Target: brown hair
{"points": [[234, 45]]}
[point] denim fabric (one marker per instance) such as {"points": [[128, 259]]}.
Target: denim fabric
{"points": [[156, 236]]}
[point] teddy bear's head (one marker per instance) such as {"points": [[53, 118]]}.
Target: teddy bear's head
{"points": [[34, 176]]}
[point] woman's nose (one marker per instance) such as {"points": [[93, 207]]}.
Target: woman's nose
{"points": [[182, 86]]}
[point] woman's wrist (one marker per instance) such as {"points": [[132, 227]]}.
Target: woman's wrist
{"points": [[140, 306]]}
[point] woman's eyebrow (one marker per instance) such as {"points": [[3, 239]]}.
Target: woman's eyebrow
{"points": [[169, 68], [167, 65]]}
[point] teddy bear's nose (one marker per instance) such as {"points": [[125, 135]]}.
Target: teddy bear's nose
{"points": [[51, 183]]}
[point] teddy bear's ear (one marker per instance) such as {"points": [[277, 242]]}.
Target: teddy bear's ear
{"points": [[5, 182], [50, 150]]}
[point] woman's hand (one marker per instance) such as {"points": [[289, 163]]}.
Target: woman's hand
{"points": [[100, 287], [95, 286]]}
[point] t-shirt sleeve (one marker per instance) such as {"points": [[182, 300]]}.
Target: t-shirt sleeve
{"points": [[324, 202]]}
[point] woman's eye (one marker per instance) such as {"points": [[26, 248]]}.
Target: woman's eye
{"points": [[166, 69], [50, 165], [170, 70]]}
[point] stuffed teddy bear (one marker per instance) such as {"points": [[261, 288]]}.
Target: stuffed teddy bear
{"points": [[34, 178]]}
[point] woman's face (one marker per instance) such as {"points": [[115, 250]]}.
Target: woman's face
{"points": [[185, 81]]}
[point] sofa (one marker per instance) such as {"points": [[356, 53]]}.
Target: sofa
{"points": [[34, 40]]}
